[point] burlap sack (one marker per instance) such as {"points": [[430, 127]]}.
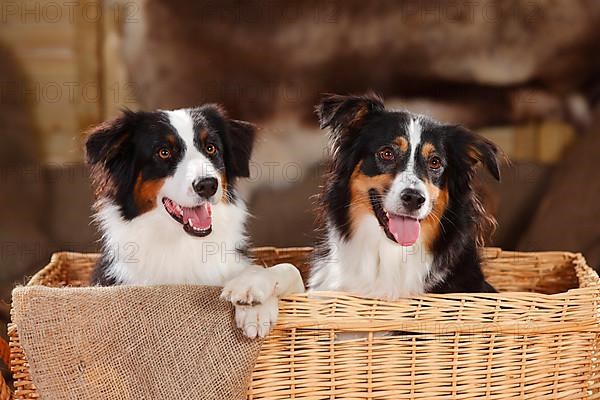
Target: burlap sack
{"points": [[162, 342]]}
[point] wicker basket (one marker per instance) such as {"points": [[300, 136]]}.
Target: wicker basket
{"points": [[5, 393], [536, 340]]}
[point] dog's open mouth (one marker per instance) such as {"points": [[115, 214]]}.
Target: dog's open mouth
{"points": [[196, 221], [398, 228]]}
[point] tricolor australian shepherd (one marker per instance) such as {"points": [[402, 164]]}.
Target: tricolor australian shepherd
{"points": [[168, 212], [400, 212]]}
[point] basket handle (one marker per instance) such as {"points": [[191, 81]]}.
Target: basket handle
{"points": [[5, 393]]}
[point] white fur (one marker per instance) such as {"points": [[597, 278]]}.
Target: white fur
{"points": [[408, 178], [154, 249], [193, 166], [371, 265], [255, 293]]}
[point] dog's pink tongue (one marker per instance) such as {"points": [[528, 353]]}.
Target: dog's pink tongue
{"points": [[198, 217], [405, 230]]}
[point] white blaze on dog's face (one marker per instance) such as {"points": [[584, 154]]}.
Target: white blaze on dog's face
{"points": [[199, 163], [408, 200], [177, 163], [197, 183]]}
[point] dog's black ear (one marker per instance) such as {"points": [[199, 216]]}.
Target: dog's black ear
{"points": [[239, 139], [105, 142], [342, 114], [108, 154], [479, 150]]}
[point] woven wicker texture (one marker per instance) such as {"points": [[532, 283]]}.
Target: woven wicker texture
{"points": [[5, 393], [538, 339]]}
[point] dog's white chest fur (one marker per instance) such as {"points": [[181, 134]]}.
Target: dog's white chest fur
{"points": [[369, 264], [153, 249]]}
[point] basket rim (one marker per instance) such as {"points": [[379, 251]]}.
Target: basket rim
{"points": [[588, 280], [485, 252], [577, 259]]}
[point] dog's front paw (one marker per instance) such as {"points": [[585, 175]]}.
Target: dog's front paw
{"points": [[253, 295], [251, 288], [256, 321]]}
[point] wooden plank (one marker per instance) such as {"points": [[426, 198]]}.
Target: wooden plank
{"points": [[526, 142], [119, 91], [542, 142], [567, 216], [88, 49], [554, 138], [503, 136], [57, 54]]}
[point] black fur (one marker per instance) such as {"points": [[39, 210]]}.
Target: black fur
{"points": [[119, 150], [99, 275], [359, 126], [237, 139]]}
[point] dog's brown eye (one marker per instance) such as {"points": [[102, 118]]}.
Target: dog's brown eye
{"points": [[164, 153], [435, 163], [386, 154], [210, 149]]}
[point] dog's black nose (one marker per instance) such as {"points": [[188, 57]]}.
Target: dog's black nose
{"points": [[205, 187], [412, 199]]}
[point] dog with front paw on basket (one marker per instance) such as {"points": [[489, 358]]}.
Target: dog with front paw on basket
{"points": [[164, 184]]}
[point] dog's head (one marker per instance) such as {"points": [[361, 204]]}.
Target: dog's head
{"points": [[179, 163], [404, 169]]}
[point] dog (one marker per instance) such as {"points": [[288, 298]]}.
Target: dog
{"points": [[400, 215], [168, 211]]}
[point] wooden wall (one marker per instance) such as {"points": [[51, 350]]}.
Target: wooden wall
{"points": [[74, 75], [541, 141]]}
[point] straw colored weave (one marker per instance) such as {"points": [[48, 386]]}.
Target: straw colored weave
{"points": [[538, 339], [4, 357]]}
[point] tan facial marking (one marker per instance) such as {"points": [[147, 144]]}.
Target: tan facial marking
{"points": [[402, 143], [360, 184], [427, 149], [433, 190], [203, 135], [171, 139], [145, 192], [430, 226]]}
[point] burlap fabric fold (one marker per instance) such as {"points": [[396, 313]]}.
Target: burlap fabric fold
{"points": [[161, 342]]}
